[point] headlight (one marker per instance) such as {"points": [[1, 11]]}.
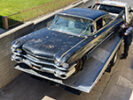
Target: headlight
{"points": [[16, 51], [57, 63], [13, 49], [64, 65]]}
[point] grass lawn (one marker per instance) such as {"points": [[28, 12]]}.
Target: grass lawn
{"points": [[28, 9], [8, 7]]}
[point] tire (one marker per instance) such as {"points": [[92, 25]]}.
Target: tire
{"points": [[112, 62], [114, 59], [82, 63], [79, 65]]}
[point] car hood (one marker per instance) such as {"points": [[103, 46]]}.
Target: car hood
{"points": [[48, 43]]}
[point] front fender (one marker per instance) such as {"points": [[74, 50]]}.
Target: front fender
{"points": [[78, 52]]}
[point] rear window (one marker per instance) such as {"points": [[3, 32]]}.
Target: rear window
{"points": [[109, 8]]}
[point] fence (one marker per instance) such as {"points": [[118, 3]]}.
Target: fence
{"points": [[1, 22], [29, 14]]}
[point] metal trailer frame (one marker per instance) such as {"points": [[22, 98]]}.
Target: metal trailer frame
{"points": [[92, 71]]}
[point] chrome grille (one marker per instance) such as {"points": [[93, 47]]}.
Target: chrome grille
{"points": [[39, 61]]}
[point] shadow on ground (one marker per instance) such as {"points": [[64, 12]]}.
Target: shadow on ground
{"points": [[27, 88], [11, 23]]}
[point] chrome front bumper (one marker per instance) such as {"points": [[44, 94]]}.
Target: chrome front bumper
{"points": [[57, 72]]}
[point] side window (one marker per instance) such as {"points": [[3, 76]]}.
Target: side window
{"points": [[103, 21], [106, 20], [99, 24]]}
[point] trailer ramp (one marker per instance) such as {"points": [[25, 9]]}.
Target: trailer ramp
{"points": [[93, 69]]}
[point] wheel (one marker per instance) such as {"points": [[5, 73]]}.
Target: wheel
{"points": [[79, 65], [114, 60], [112, 63]]}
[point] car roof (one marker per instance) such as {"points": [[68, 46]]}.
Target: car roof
{"points": [[84, 13], [114, 3]]}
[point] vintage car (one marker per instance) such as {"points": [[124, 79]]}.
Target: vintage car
{"points": [[61, 49]]}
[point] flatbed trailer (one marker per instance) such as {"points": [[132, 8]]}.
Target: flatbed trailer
{"points": [[94, 67]]}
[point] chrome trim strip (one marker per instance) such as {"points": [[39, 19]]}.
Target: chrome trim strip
{"points": [[37, 55], [56, 72], [33, 61]]}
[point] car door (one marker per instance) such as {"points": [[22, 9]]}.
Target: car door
{"points": [[103, 28]]}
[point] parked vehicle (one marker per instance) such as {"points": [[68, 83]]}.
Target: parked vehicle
{"points": [[61, 49], [114, 8]]}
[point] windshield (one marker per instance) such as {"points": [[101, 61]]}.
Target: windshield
{"points": [[72, 25], [111, 9]]}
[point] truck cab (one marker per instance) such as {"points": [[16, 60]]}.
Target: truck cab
{"points": [[115, 8]]}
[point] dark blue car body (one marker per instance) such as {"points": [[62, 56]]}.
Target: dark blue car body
{"points": [[48, 51]]}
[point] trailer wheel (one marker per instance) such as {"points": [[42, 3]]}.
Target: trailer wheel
{"points": [[114, 59], [112, 63]]}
